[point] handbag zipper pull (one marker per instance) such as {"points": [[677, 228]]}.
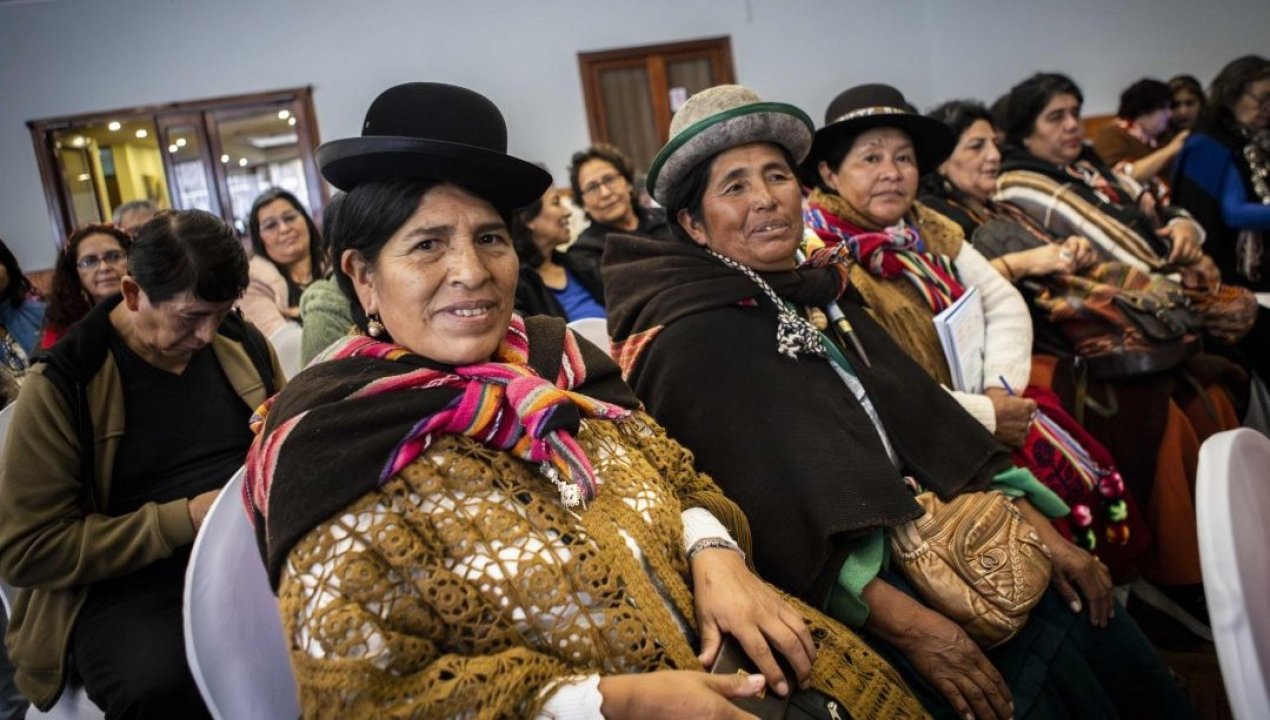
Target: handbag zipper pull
{"points": [[832, 707]]}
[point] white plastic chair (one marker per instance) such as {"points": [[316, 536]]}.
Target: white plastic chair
{"points": [[233, 632], [1233, 511], [286, 342], [596, 330], [74, 703]]}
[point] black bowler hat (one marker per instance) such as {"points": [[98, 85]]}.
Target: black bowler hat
{"points": [[434, 131], [865, 107]]}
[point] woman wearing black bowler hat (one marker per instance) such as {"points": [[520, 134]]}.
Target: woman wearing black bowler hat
{"points": [[465, 513]]}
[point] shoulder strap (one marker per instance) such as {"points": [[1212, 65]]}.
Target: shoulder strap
{"points": [[60, 371], [253, 341]]}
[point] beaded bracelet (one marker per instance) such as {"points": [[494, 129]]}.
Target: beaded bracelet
{"points": [[714, 542]]}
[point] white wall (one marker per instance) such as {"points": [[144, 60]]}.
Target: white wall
{"points": [[62, 57]]}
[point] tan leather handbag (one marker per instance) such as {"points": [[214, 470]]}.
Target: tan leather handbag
{"points": [[976, 561]]}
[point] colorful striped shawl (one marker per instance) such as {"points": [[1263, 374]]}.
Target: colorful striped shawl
{"points": [[366, 409], [888, 253]]}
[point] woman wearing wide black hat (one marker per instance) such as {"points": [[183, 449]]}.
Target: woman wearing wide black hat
{"points": [[468, 514]]}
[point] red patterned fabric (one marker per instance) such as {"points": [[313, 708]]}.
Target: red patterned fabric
{"points": [[1104, 519]]}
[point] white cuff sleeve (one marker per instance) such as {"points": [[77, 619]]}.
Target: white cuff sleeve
{"points": [[700, 523], [576, 698], [979, 406]]}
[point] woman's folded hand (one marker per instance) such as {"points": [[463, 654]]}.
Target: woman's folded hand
{"points": [[1014, 416], [951, 662], [732, 600], [676, 694]]}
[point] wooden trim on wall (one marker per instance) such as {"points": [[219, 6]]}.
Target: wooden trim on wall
{"points": [[653, 59]]}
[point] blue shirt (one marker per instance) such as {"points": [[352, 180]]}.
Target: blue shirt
{"points": [[576, 301], [24, 322]]}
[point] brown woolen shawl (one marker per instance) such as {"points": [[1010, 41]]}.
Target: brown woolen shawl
{"points": [[785, 439]]}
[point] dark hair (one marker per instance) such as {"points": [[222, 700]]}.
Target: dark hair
{"points": [[1143, 98], [317, 248], [68, 299], [1231, 84], [523, 236], [1028, 99], [190, 251], [690, 192], [958, 115], [19, 286], [610, 154], [1187, 83]]}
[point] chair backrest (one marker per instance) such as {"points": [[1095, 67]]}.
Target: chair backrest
{"points": [[286, 341], [233, 632], [7, 592], [596, 330], [1232, 504]]}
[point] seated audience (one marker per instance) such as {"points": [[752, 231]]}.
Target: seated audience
{"points": [[88, 270], [911, 263], [21, 315], [1133, 145], [1153, 441], [130, 216], [287, 257], [325, 314], [603, 180], [502, 532], [1049, 174], [817, 437], [121, 439], [552, 282], [1188, 102], [1223, 179]]}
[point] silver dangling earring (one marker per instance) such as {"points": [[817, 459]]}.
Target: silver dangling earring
{"points": [[374, 328]]}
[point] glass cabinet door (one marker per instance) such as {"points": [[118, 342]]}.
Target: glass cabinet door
{"points": [[183, 144]]}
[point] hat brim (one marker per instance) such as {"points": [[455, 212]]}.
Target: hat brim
{"points": [[778, 123], [507, 182], [933, 141]]}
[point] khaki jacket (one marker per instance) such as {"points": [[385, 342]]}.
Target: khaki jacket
{"points": [[51, 548]]}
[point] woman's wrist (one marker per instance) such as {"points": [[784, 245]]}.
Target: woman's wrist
{"points": [[615, 692], [714, 543]]}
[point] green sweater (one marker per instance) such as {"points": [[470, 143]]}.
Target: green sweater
{"points": [[326, 315]]}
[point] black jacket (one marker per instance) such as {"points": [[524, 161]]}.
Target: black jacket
{"points": [[533, 297]]}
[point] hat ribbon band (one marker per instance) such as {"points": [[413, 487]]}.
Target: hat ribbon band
{"points": [[876, 110]]}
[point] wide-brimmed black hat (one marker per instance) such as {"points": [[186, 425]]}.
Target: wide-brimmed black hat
{"points": [[865, 107], [434, 131]]}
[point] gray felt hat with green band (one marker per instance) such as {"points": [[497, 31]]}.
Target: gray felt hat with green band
{"points": [[720, 118]]}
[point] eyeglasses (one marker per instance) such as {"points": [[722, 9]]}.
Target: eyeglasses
{"points": [[110, 257], [272, 224], [608, 181], [1263, 101]]}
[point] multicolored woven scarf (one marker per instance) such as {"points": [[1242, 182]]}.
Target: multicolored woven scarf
{"points": [[504, 404], [888, 253]]}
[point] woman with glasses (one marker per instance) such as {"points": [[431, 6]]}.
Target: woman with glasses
{"points": [[287, 258], [603, 182], [1223, 179], [88, 271]]}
